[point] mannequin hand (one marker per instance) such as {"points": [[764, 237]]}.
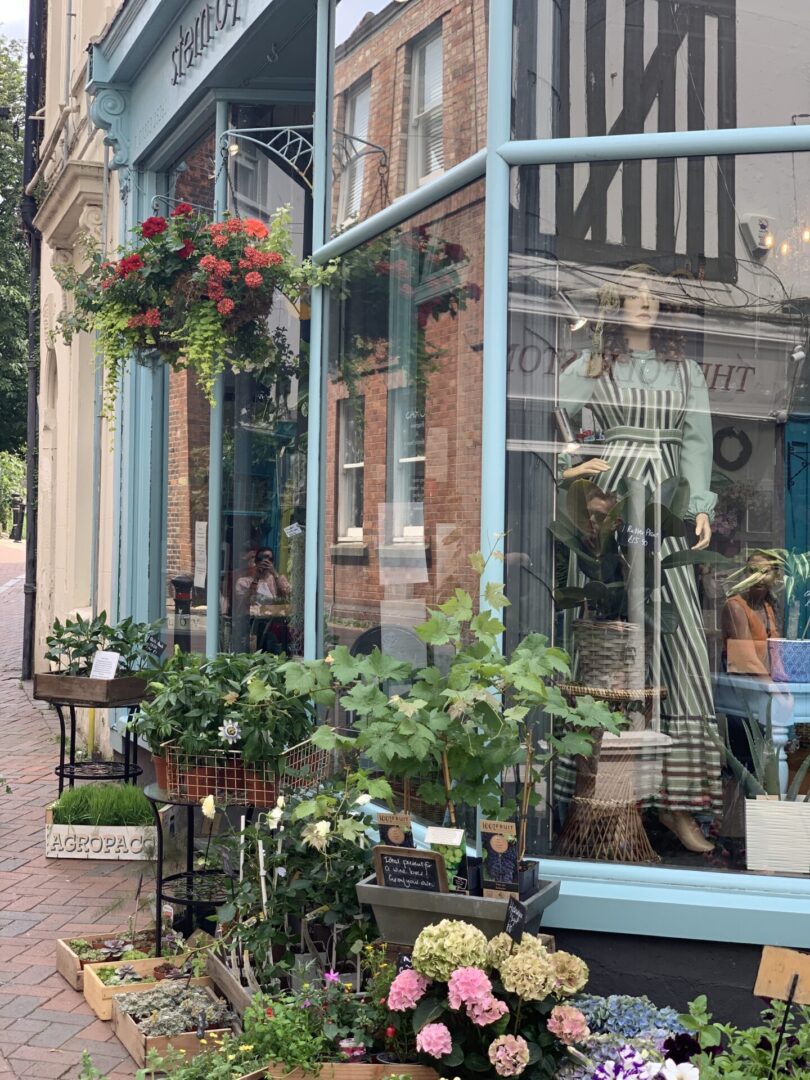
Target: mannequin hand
{"points": [[703, 532], [592, 467]]}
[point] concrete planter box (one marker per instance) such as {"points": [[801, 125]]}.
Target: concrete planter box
{"points": [[777, 836], [80, 690], [402, 914], [112, 843]]}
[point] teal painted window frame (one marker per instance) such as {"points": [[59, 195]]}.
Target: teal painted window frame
{"points": [[606, 897]]}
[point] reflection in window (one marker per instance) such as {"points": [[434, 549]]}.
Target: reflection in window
{"points": [[657, 504], [358, 103], [426, 135], [350, 469], [405, 360]]}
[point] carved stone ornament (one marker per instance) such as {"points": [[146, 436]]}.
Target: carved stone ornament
{"points": [[108, 111], [61, 257], [90, 220]]}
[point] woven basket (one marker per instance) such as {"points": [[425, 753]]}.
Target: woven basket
{"points": [[609, 654], [223, 774]]}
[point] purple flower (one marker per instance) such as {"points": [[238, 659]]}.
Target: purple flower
{"points": [[331, 976]]}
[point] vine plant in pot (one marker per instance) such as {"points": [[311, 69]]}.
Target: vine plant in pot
{"points": [[72, 647], [465, 724]]}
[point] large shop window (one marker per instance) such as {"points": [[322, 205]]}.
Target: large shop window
{"points": [[613, 67], [658, 487], [409, 100], [403, 413]]}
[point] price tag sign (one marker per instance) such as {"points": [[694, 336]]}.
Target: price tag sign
{"points": [[293, 530], [515, 922], [154, 646], [404, 868], [105, 665]]}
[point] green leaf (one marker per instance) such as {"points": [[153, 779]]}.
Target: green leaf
{"points": [[226, 913], [428, 1010], [455, 1057], [477, 562], [344, 667], [486, 625], [494, 595], [435, 630]]}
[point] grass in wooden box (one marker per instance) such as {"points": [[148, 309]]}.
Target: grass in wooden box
{"points": [[99, 996], [138, 1045]]}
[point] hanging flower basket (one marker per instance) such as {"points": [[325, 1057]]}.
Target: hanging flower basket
{"points": [[194, 294]]}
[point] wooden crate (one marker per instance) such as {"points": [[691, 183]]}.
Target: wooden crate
{"points": [[239, 997], [83, 691], [112, 843], [349, 1071], [138, 1045], [100, 997]]}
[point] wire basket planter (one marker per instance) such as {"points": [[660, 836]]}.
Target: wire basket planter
{"points": [[233, 782]]}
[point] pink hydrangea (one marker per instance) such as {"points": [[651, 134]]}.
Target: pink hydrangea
{"points": [[568, 1024], [435, 1040], [406, 990], [486, 1010], [509, 1054], [467, 984]]}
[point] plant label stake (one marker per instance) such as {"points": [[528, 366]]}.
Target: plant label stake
{"points": [[515, 921], [262, 881], [241, 848]]}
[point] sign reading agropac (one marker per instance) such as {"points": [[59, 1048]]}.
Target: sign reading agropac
{"points": [[193, 39], [100, 841]]}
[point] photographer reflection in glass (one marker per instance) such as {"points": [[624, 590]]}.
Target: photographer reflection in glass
{"points": [[650, 403]]}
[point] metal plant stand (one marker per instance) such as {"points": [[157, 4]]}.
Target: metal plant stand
{"points": [[194, 890], [97, 769]]}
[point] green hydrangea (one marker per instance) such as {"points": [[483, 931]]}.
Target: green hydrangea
{"points": [[528, 971], [448, 945], [498, 949]]}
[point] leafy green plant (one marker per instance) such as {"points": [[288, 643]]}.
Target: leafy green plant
{"points": [[73, 644], [236, 701], [734, 1053], [12, 482], [763, 777], [464, 725], [103, 804]]}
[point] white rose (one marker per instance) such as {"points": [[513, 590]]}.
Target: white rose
{"points": [[209, 808], [322, 828], [362, 800]]}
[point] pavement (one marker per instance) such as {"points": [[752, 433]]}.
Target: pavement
{"points": [[44, 1025]]}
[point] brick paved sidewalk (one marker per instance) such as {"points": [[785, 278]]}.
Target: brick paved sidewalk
{"points": [[44, 1025]]}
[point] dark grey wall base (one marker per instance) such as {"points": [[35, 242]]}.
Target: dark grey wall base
{"points": [[671, 972]]}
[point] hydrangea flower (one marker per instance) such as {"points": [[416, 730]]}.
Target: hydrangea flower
{"points": [[498, 949], [406, 990], [448, 945], [467, 984], [434, 1040], [568, 1024], [509, 1054], [486, 1011], [570, 973], [628, 1016], [528, 973]]}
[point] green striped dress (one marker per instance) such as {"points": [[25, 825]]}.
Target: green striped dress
{"points": [[655, 418]]}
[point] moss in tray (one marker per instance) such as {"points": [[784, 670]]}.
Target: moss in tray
{"points": [[103, 804]]}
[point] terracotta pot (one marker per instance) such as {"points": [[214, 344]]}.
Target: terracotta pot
{"points": [[161, 778]]}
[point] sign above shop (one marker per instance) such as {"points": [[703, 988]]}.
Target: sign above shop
{"points": [[194, 39]]}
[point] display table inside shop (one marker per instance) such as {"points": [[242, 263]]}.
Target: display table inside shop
{"points": [[623, 772], [198, 891], [750, 696]]}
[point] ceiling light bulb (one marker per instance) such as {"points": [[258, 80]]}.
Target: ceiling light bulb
{"points": [[784, 248], [806, 235], [768, 241]]}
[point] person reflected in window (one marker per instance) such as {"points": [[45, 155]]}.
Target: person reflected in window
{"points": [[749, 619], [266, 585]]}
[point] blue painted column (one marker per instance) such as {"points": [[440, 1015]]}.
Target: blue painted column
{"points": [[216, 428], [496, 288], [321, 200]]}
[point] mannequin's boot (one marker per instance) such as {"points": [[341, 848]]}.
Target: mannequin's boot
{"points": [[687, 830]]}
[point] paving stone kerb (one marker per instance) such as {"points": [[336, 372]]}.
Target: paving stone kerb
{"points": [[44, 1025]]}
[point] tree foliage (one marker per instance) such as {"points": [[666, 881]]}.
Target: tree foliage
{"points": [[14, 266]]}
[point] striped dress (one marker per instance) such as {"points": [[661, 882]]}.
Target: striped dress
{"points": [[655, 418]]}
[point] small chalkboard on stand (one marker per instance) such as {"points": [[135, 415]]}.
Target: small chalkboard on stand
{"points": [[407, 868], [515, 922]]}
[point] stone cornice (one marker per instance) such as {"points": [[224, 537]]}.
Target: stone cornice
{"points": [[64, 210]]}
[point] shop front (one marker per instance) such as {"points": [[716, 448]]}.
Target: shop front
{"points": [[570, 325]]}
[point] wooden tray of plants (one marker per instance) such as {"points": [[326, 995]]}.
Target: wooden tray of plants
{"points": [[348, 1070], [139, 975], [139, 1043], [71, 961]]}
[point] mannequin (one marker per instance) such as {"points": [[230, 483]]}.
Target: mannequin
{"points": [[652, 403]]}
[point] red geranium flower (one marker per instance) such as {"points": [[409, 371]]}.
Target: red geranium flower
{"points": [[255, 228], [273, 258], [187, 250], [209, 263], [220, 240], [151, 317], [183, 209], [154, 226], [254, 279], [225, 306], [129, 264], [234, 224], [216, 290]]}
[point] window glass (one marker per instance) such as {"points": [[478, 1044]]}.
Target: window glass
{"points": [[409, 97], [402, 505], [657, 522], [186, 515], [265, 422], [602, 67]]}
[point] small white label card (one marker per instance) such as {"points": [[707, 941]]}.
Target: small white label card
{"points": [[293, 530], [105, 665]]}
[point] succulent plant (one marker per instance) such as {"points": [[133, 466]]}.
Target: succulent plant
{"points": [[171, 1009]]}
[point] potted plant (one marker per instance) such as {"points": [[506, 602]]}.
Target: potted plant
{"points": [[467, 723], [100, 821], [72, 647], [789, 655], [227, 726], [777, 826], [171, 1015], [192, 293]]}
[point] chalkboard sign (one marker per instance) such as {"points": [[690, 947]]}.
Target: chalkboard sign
{"points": [[404, 962], [515, 922], [401, 868], [154, 646]]}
